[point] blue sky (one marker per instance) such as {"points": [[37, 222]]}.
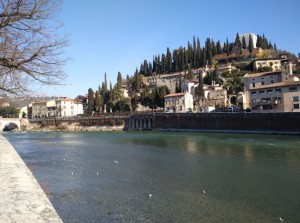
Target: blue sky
{"points": [[117, 35]]}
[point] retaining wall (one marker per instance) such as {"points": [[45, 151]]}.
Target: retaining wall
{"points": [[21, 197]]}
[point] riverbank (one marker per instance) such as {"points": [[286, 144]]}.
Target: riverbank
{"points": [[74, 128], [21, 197]]}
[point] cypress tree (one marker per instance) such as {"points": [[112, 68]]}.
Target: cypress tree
{"points": [[208, 51], [98, 102], [204, 60], [194, 62], [244, 44], [163, 63], [218, 47], [237, 41], [199, 53], [227, 47], [168, 61], [119, 80], [150, 69], [91, 100], [250, 47], [200, 86], [145, 67], [259, 41], [175, 66]]}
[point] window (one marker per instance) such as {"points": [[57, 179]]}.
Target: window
{"points": [[261, 92], [272, 82], [253, 93], [266, 100], [253, 84], [296, 98], [270, 91], [278, 90], [293, 89], [296, 106], [262, 83]]}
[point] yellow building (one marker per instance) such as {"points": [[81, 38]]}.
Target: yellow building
{"points": [[273, 63]]}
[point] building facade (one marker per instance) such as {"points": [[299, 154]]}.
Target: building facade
{"points": [[62, 107], [179, 102], [272, 91], [272, 63]]}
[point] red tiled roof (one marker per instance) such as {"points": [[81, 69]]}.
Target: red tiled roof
{"points": [[174, 95], [261, 74]]}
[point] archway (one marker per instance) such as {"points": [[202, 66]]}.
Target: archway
{"points": [[10, 126]]}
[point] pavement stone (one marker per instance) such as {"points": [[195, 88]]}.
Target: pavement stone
{"points": [[21, 197]]}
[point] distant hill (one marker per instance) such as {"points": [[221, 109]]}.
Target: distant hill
{"points": [[21, 101]]}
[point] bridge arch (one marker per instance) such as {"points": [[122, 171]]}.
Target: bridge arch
{"points": [[10, 126], [140, 122]]}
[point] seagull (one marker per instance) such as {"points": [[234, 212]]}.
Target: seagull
{"points": [[97, 173], [204, 192], [116, 161], [72, 173], [281, 219], [150, 195]]}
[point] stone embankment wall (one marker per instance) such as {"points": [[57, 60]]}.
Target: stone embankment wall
{"points": [[21, 197], [280, 122], [112, 123], [214, 122]]}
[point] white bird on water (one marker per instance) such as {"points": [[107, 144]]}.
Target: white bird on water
{"points": [[150, 195], [116, 161], [204, 192], [281, 219], [72, 173], [97, 173]]}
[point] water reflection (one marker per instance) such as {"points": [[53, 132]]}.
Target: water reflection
{"points": [[248, 153]]}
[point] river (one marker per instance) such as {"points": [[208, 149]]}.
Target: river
{"points": [[165, 176]]}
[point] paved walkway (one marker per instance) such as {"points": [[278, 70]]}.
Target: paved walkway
{"points": [[21, 197]]}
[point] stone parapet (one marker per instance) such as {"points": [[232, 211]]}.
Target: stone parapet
{"points": [[21, 197]]}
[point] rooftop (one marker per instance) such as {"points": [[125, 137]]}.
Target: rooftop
{"points": [[261, 74], [278, 84]]}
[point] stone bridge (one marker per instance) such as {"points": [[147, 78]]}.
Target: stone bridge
{"points": [[8, 124]]}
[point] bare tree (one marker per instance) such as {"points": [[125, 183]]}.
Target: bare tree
{"points": [[31, 50]]}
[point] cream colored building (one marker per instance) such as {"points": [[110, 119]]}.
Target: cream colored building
{"points": [[274, 63], [272, 91], [66, 107], [62, 107], [39, 109], [170, 80], [228, 68], [179, 102], [277, 97]]}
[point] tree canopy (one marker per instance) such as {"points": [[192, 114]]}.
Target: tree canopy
{"points": [[31, 51]]}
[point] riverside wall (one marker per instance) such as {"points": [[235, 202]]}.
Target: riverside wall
{"points": [[21, 197], [278, 122], [226, 122], [275, 123]]}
